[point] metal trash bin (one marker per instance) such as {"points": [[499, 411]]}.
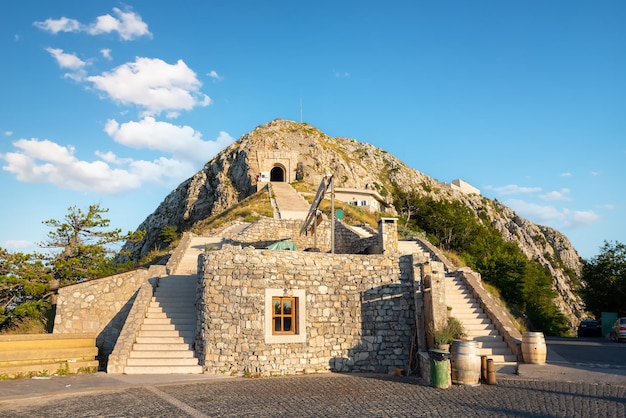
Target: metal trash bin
{"points": [[439, 368]]}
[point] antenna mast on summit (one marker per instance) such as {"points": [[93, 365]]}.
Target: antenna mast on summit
{"points": [[300, 109]]}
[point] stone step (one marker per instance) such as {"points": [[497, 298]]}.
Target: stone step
{"points": [[171, 309], [472, 326], [489, 339], [489, 351], [162, 354], [161, 340], [164, 361], [499, 358], [474, 321], [470, 315], [474, 333], [182, 299], [189, 280], [174, 316], [458, 297], [165, 333], [197, 369], [457, 312], [71, 367], [161, 347], [168, 327], [175, 291], [166, 320]]}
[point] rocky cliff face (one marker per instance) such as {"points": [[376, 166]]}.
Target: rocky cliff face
{"points": [[231, 176]]}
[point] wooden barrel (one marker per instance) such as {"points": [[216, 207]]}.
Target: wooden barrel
{"points": [[534, 347], [465, 363]]}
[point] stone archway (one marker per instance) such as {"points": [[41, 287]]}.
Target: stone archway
{"points": [[277, 174]]}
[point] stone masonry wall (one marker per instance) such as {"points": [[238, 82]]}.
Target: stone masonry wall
{"points": [[267, 231], [100, 306], [360, 311]]}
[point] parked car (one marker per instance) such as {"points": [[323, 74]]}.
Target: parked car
{"points": [[590, 328], [618, 331]]}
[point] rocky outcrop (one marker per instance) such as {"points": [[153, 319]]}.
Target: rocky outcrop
{"points": [[231, 176]]}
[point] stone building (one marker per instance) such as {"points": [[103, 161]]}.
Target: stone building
{"points": [[464, 187], [368, 199]]}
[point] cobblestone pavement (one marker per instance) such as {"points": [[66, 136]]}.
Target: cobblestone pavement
{"points": [[331, 395]]}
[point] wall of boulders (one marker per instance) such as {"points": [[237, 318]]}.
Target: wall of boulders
{"points": [[360, 311]]}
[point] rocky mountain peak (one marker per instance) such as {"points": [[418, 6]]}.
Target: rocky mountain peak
{"points": [[299, 151]]}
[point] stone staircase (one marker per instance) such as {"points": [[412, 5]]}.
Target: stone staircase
{"points": [[165, 341], [289, 203], [475, 321], [477, 325]]}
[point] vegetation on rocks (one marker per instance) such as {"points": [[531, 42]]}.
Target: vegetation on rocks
{"points": [[82, 247], [525, 285], [604, 280]]}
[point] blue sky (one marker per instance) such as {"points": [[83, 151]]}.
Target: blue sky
{"points": [[116, 103]]}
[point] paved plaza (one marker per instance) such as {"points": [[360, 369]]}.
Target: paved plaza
{"points": [[322, 395]]}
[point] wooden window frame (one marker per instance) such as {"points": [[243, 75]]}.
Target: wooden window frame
{"points": [[300, 335], [293, 315]]}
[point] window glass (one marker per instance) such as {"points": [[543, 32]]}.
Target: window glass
{"points": [[284, 315]]}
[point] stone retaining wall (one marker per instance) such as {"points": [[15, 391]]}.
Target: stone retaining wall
{"points": [[100, 306], [359, 311]]}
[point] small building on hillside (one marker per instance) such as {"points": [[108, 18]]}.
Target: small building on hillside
{"points": [[367, 199], [464, 187]]}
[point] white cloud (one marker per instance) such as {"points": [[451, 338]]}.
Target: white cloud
{"points": [[43, 161], [551, 216], [154, 85], [70, 62], [59, 25], [65, 60], [8, 133], [515, 189], [595, 173], [20, 246], [340, 74], [214, 75], [581, 218], [183, 142], [128, 25], [106, 53], [566, 174], [556, 195], [545, 215]]}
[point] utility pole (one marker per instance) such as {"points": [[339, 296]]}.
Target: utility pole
{"points": [[332, 216]]}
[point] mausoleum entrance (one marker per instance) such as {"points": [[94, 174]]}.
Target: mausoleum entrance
{"points": [[277, 174]]}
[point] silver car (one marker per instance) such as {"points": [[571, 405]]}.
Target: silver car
{"points": [[618, 332]]}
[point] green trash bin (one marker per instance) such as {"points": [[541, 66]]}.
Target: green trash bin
{"points": [[439, 368]]}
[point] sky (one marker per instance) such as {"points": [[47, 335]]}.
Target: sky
{"points": [[116, 103]]}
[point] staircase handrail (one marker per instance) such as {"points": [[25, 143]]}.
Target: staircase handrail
{"points": [[128, 335], [179, 252], [494, 312], [511, 335]]}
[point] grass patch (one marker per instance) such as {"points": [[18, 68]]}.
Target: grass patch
{"points": [[28, 325], [251, 209]]}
